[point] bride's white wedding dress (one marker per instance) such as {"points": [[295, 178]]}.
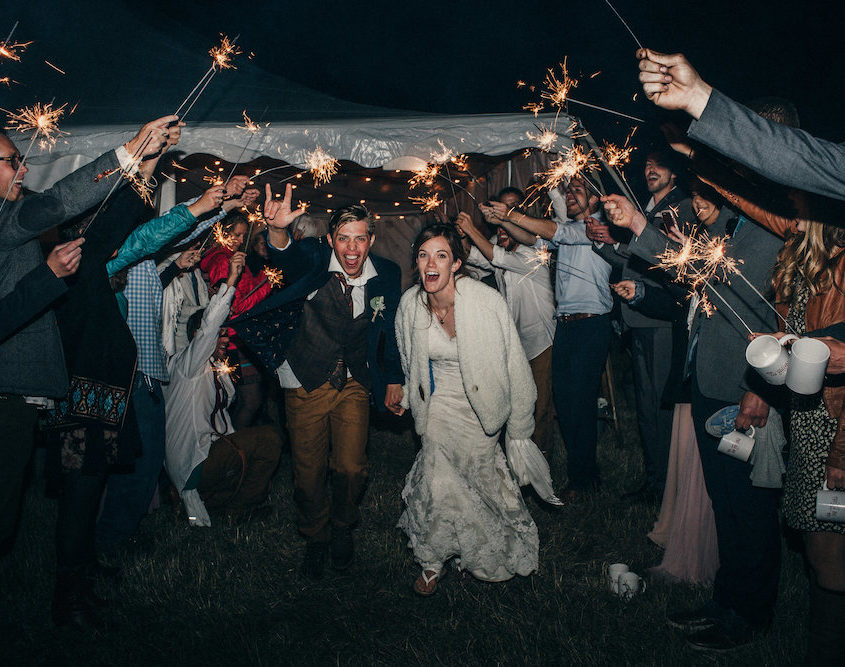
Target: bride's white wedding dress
{"points": [[460, 498]]}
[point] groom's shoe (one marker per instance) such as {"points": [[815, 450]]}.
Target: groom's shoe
{"points": [[315, 559], [342, 549]]}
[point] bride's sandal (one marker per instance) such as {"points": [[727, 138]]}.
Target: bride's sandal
{"points": [[426, 583]]}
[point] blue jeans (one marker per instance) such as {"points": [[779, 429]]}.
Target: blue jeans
{"points": [[579, 353], [128, 495]]}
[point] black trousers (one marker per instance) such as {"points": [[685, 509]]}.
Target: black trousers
{"points": [[747, 526], [17, 422], [579, 353]]}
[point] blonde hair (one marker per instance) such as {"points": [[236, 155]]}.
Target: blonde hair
{"points": [[810, 254]]}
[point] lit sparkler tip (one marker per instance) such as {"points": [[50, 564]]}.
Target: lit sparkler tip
{"points": [[250, 125], [321, 165], [223, 367], [545, 137], [534, 107], [521, 84], [142, 186], [425, 176], [557, 89], [12, 50], [427, 203], [617, 156], [274, 276], [224, 53], [42, 119]]}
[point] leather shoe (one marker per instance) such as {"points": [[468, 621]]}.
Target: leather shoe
{"points": [[343, 550], [693, 620], [314, 560], [720, 638]]}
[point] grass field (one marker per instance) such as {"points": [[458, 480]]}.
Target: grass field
{"points": [[231, 594]]}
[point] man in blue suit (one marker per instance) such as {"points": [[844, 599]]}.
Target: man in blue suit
{"points": [[338, 306]]}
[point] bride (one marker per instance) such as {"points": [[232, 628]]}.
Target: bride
{"points": [[466, 376]]}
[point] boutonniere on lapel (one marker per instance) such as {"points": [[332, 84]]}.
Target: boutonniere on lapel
{"points": [[377, 304]]}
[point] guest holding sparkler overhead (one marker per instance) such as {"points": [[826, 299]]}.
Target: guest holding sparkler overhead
{"points": [[522, 276], [582, 336], [747, 528], [211, 463], [31, 362], [129, 494], [786, 155], [466, 377], [651, 338]]}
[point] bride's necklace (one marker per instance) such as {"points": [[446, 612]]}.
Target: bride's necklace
{"points": [[442, 318]]}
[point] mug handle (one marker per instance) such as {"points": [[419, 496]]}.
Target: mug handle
{"points": [[752, 429], [643, 585], [788, 338]]}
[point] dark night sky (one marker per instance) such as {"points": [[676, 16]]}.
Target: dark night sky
{"points": [[446, 57]]}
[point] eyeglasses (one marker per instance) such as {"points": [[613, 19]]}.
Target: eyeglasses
{"points": [[16, 161]]}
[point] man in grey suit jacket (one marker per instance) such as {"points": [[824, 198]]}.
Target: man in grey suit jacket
{"points": [[651, 339], [747, 527], [782, 154], [32, 367]]}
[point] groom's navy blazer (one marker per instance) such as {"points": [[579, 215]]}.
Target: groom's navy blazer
{"points": [[271, 325]]}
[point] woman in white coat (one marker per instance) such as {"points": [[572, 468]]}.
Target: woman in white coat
{"points": [[466, 376]]}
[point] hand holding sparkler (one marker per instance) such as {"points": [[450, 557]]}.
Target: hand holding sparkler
{"points": [[599, 232], [189, 257], [151, 138], [627, 289], [233, 191], [671, 82], [622, 213], [236, 268], [494, 212], [65, 258], [210, 200]]}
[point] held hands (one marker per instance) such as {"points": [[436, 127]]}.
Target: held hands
{"points": [[233, 193], [671, 82], [65, 258], [623, 213], [210, 200], [464, 222], [835, 478], [279, 214], [236, 268], [393, 399]]}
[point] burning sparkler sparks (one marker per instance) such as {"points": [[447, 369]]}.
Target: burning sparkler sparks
{"points": [[274, 276], [617, 156], [12, 50], [534, 107], [321, 165], [42, 119], [144, 187], [545, 137], [425, 176], [220, 236], [222, 367], [428, 203], [557, 89], [224, 53], [250, 125]]}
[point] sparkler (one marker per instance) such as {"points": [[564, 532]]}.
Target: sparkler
{"points": [[222, 367], [428, 203], [11, 50], [252, 128], [254, 219], [619, 16], [425, 176], [321, 165], [273, 276], [557, 89], [546, 138], [221, 58], [42, 120]]}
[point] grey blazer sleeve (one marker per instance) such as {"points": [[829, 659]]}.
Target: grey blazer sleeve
{"points": [[651, 243], [27, 218], [30, 296], [783, 154]]}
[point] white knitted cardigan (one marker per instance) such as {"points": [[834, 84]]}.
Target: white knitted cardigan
{"points": [[495, 372]]}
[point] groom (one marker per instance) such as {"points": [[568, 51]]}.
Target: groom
{"points": [[345, 301]]}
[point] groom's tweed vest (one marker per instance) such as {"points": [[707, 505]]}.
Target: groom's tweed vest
{"points": [[327, 332]]}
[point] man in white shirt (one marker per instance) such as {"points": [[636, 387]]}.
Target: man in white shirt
{"points": [[523, 279], [209, 462]]}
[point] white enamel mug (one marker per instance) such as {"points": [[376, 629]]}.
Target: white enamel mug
{"points": [[613, 573], [737, 444], [830, 505], [630, 583], [768, 356], [807, 366]]}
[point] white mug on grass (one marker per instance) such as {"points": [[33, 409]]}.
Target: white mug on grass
{"points": [[613, 573], [630, 583], [737, 444], [768, 356], [830, 505], [807, 366]]}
